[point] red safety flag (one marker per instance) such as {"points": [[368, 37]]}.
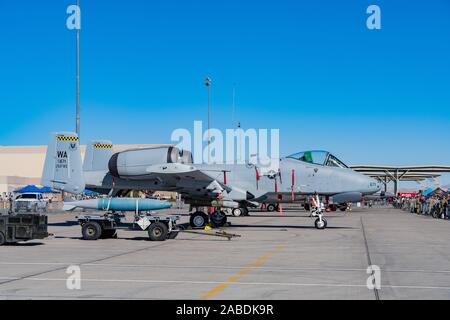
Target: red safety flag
{"points": [[313, 200], [257, 177]]}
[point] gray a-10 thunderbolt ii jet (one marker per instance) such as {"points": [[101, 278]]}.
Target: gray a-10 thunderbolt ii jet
{"points": [[218, 186]]}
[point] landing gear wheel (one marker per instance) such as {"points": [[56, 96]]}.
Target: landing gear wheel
{"points": [[218, 219], [198, 219], [238, 212], [2, 239], [157, 231], [320, 224], [271, 207], [91, 231], [109, 234]]}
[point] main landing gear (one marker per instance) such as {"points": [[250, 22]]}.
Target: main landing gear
{"points": [[239, 212], [200, 219], [272, 207]]}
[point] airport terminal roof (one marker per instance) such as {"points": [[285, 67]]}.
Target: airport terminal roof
{"points": [[431, 168], [406, 177], [386, 174]]}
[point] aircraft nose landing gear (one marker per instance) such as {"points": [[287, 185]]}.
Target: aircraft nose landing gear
{"points": [[320, 222]]}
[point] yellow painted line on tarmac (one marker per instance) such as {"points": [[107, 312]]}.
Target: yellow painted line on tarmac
{"points": [[214, 291]]}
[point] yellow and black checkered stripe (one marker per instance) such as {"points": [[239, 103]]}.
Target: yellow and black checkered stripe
{"points": [[103, 145], [64, 138]]}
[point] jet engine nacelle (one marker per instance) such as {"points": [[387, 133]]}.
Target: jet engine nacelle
{"points": [[347, 197], [134, 163]]}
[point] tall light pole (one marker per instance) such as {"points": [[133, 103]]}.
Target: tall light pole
{"points": [[208, 86], [78, 78]]}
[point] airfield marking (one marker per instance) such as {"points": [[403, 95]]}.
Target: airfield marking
{"points": [[369, 261], [82, 263], [218, 267], [223, 284], [214, 291]]}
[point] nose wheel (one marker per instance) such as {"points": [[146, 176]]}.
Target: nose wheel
{"points": [[320, 223]]}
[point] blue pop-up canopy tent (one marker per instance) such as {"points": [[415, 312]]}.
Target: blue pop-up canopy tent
{"points": [[33, 188], [90, 192], [48, 190], [29, 188]]}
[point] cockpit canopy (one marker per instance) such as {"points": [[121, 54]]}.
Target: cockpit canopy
{"points": [[323, 158]]}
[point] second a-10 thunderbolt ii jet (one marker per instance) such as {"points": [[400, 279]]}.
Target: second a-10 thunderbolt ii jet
{"points": [[217, 186]]}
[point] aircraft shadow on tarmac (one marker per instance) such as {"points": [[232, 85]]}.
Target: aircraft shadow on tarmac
{"points": [[63, 224], [284, 226], [144, 239], [23, 244], [291, 216]]}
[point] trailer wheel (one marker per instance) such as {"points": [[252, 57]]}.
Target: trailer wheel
{"points": [[2, 239], [157, 231], [91, 231]]}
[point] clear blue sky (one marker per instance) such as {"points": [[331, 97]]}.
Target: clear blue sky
{"points": [[310, 68]]}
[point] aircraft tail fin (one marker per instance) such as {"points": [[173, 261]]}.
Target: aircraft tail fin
{"points": [[97, 156], [62, 167]]}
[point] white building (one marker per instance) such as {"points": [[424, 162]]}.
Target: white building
{"points": [[23, 165]]}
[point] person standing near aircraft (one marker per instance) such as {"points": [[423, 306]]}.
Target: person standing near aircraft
{"points": [[447, 208], [3, 200], [11, 203], [314, 202]]}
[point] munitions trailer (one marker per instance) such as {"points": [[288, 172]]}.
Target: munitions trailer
{"points": [[159, 228], [22, 227]]}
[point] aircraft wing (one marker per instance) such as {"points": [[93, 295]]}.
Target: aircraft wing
{"points": [[184, 178]]}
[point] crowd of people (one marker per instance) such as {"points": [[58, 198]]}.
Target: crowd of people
{"points": [[6, 201], [434, 205]]}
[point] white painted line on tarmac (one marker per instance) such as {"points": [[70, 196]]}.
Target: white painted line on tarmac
{"points": [[215, 267], [290, 284]]}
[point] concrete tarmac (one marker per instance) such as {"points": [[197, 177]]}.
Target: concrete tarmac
{"points": [[276, 257]]}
